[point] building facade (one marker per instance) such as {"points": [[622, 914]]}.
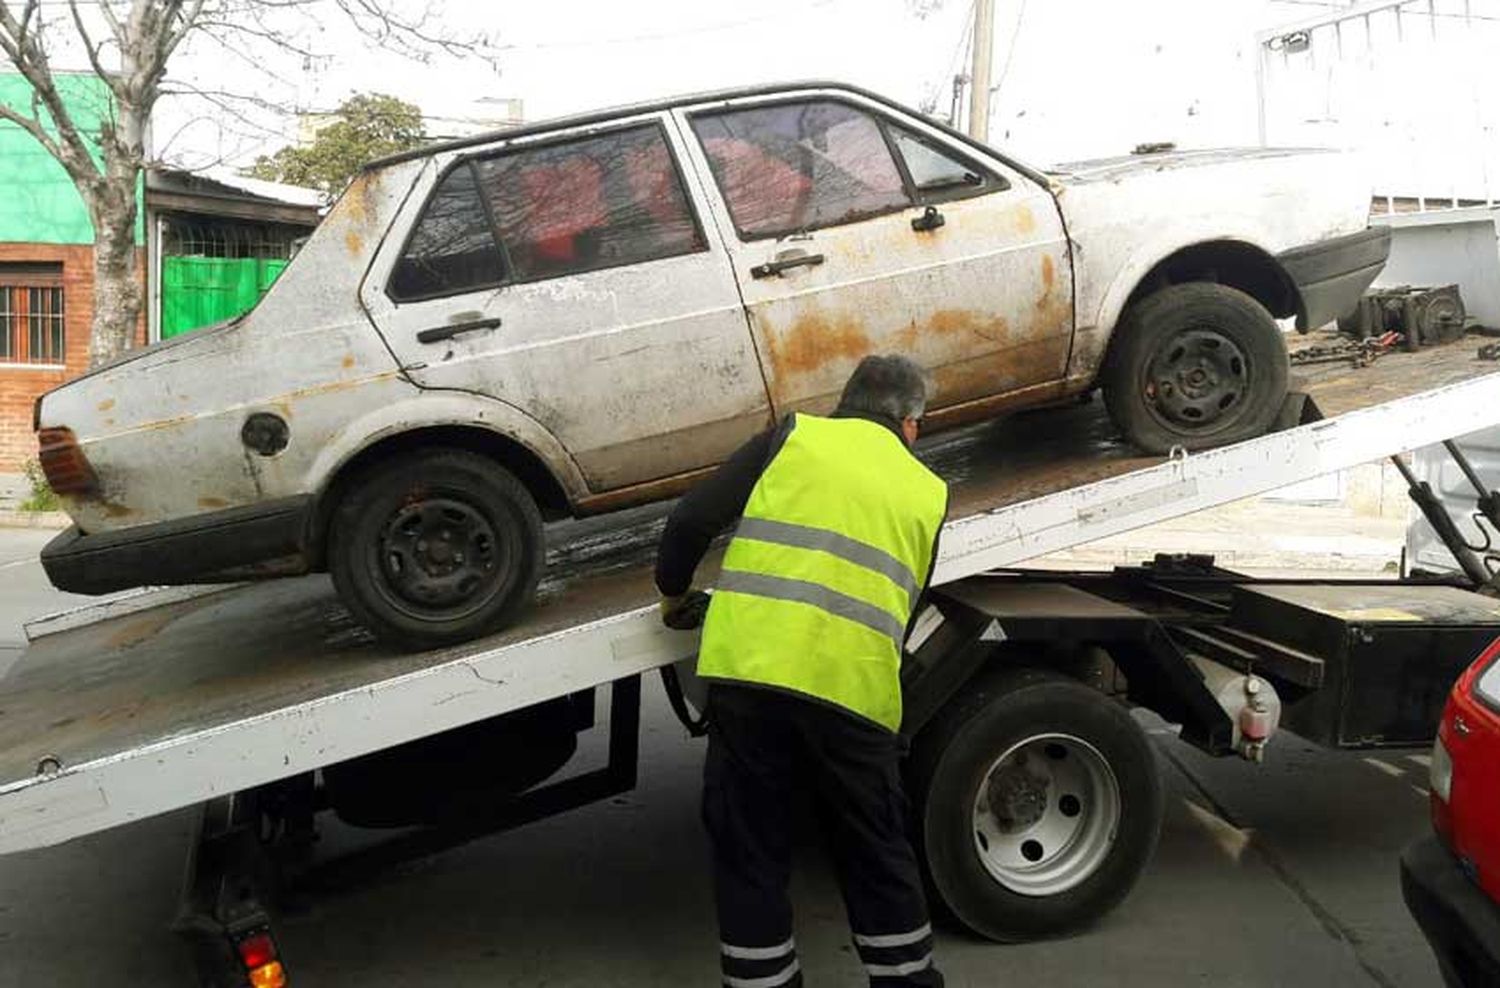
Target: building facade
{"points": [[208, 249]]}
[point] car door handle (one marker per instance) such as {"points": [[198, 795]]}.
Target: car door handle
{"points": [[451, 330], [930, 220], [784, 261]]}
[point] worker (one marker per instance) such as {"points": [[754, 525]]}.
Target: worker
{"points": [[802, 646]]}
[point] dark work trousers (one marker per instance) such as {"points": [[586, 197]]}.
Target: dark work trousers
{"points": [[762, 746]]}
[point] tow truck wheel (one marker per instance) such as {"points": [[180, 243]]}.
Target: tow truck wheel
{"points": [[437, 547], [1039, 804], [1195, 365]]}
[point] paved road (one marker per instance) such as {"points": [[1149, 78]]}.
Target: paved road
{"points": [[1272, 875]]}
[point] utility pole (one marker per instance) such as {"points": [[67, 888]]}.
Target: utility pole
{"points": [[984, 48]]}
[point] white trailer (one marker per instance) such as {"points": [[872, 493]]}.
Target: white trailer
{"points": [[1036, 794]]}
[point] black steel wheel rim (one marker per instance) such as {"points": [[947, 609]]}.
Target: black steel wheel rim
{"points": [[1197, 379], [439, 558]]}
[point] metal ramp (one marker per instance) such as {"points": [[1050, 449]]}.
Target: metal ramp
{"points": [[139, 714]]}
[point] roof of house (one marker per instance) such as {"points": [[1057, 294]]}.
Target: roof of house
{"points": [[220, 191]]}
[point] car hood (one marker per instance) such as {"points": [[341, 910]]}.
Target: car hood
{"points": [[1130, 165]]}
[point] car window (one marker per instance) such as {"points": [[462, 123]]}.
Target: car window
{"points": [[800, 166], [452, 249], [937, 174], [591, 203]]}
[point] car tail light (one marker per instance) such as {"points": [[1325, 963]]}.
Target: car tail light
{"points": [[262, 968], [66, 468], [1440, 780], [1440, 773]]}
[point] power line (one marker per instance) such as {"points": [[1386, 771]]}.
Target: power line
{"points": [[955, 60], [1010, 52]]}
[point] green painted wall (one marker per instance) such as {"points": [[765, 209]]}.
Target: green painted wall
{"points": [[38, 203]]}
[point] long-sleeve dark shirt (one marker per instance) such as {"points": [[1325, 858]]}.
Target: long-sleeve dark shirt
{"points": [[712, 506]]}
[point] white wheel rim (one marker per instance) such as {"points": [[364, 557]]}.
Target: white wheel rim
{"points": [[1046, 814]]}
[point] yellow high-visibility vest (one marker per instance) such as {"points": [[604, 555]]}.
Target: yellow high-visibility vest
{"points": [[825, 568]]}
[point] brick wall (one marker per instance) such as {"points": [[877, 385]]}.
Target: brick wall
{"points": [[19, 385]]}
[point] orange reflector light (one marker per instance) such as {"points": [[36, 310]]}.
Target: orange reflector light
{"points": [[66, 468], [268, 976]]}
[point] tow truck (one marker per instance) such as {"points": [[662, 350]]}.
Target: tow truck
{"points": [[1036, 796]]}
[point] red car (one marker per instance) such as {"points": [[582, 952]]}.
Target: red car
{"points": [[1451, 881]]}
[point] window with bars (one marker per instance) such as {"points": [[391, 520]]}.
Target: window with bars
{"points": [[31, 314]]}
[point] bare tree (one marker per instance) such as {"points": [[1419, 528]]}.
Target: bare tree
{"points": [[129, 45]]}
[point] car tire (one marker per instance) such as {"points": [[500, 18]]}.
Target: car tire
{"points": [[1195, 365], [1039, 804], [435, 548]]}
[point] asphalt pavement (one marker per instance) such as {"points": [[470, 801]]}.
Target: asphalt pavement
{"points": [[1267, 875]]}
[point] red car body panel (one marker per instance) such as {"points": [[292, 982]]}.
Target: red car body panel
{"points": [[1470, 730]]}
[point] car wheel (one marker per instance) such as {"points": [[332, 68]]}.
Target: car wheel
{"points": [[1196, 366], [437, 547], [1040, 804]]}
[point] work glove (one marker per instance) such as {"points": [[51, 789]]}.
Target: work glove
{"points": [[685, 611]]}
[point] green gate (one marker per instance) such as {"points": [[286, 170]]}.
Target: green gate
{"points": [[197, 291]]}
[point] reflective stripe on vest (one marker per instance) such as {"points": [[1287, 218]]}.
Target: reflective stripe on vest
{"points": [[820, 579]]}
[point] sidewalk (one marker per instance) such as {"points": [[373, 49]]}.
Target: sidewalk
{"points": [[15, 488]]}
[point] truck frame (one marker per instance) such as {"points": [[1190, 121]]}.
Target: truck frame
{"points": [[1036, 795]]}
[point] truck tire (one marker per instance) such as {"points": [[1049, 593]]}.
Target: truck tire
{"points": [[1195, 365], [437, 547], [1038, 804]]}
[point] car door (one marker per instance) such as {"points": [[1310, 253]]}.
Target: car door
{"points": [[854, 230], [569, 275]]}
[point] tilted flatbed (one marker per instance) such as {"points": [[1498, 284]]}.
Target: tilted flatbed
{"points": [[199, 699]]}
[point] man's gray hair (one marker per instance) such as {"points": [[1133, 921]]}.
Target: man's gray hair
{"points": [[889, 385]]}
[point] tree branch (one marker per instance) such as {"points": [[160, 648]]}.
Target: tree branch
{"points": [[32, 127], [112, 21], [189, 23], [92, 50], [30, 59]]}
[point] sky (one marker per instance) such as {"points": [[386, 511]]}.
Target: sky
{"points": [[1074, 78]]}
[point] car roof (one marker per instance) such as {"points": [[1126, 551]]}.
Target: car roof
{"points": [[613, 113]]}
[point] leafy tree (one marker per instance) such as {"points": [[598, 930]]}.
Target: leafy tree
{"points": [[368, 126]]}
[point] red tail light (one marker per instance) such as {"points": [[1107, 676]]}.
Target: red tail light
{"points": [[66, 468], [258, 954]]}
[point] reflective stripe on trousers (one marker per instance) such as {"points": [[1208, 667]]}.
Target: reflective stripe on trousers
{"points": [[760, 967], [894, 956]]}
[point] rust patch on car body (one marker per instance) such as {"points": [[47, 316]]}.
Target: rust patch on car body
{"points": [[114, 509], [812, 341], [652, 490], [946, 324], [347, 362], [106, 405], [212, 502], [1024, 221]]}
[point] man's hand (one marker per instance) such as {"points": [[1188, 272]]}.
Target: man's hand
{"points": [[684, 612]]}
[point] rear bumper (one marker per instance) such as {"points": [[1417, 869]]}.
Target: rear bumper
{"points": [[1331, 275], [239, 543], [1459, 920]]}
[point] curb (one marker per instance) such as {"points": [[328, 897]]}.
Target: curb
{"points": [[34, 519]]}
